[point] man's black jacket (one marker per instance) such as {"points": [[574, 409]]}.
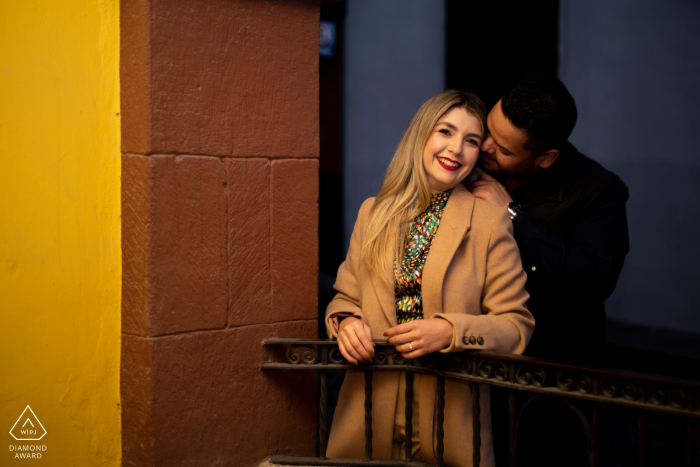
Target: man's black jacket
{"points": [[573, 241]]}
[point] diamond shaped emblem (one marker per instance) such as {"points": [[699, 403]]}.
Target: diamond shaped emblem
{"points": [[28, 427]]}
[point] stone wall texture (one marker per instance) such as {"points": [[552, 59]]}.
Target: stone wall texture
{"points": [[219, 227]]}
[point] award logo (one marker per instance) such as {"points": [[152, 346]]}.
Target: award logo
{"points": [[28, 427]]}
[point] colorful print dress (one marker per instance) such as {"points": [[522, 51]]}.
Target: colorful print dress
{"points": [[408, 279]]}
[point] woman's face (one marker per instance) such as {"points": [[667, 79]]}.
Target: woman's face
{"points": [[452, 149]]}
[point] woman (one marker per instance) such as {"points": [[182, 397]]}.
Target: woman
{"points": [[430, 268]]}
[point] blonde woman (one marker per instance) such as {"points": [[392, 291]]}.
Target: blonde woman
{"points": [[430, 268]]}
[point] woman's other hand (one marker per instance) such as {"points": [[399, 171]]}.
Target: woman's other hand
{"points": [[355, 341], [419, 337]]}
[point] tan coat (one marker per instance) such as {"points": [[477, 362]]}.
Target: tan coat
{"points": [[472, 278]]}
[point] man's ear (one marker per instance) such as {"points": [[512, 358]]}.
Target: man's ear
{"points": [[547, 158]]}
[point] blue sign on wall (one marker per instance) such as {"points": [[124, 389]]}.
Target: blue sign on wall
{"points": [[327, 39]]}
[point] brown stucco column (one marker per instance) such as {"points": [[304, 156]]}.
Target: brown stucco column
{"points": [[219, 227]]}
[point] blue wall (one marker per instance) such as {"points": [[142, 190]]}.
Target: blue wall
{"points": [[634, 69], [394, 61]]}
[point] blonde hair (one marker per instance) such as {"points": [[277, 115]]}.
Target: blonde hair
{"points": [[405, 191]]}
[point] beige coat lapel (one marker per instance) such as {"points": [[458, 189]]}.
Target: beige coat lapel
{"points": [[385, 292], [454, 224]]}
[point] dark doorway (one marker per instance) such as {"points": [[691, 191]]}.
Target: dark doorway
{"points": [[490, 45], [330, 203]]}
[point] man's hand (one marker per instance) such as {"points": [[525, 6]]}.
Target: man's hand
{"points": [[420, 337], [355, 341], [490, 190]]}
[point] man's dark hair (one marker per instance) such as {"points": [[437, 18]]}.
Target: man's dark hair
{"points": [[542, 107]]}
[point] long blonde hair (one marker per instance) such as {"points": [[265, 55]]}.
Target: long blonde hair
{"points": [[405, 191]]}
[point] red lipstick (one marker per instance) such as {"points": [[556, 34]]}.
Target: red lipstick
{"points": [[447, 167]]}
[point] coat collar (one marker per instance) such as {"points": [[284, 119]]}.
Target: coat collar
{"points": [[454, 224]]}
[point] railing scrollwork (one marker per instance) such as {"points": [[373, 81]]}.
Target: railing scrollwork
{"points": [[518, 373], [306, 354], [530, 375], [569, 381]]}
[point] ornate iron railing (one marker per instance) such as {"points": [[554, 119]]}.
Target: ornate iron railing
{"points": [[517, 373]]}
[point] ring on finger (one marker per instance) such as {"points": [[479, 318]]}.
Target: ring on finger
{"points": [[410, 346]]}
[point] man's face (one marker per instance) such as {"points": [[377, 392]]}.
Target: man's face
{"points": [[502, 153]]}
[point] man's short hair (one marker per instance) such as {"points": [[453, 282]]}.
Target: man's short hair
{"points": [[543, 109]]}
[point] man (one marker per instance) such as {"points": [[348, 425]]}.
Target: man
{"points": [[568, 215]]}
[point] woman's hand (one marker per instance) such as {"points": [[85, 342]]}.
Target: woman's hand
{"points": [[355, 341], [420, 337]]}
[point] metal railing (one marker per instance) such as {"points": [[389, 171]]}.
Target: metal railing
{"points": [[514, 372]]}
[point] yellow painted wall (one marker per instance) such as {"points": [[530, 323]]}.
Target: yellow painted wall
{"points": [[60, 254]]}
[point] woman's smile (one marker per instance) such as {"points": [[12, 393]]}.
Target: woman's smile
{"points": [[448, 164]]}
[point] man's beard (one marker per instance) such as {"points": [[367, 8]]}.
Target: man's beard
{"points": [[500, 176]]}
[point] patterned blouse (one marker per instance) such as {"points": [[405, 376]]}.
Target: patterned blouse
{"points": [[408, 280]]}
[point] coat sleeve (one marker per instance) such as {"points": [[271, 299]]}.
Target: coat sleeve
{"points": [[347, 283], [505, 324]]}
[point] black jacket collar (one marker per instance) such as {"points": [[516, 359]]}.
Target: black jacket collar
{"points": [[550, 183]]}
